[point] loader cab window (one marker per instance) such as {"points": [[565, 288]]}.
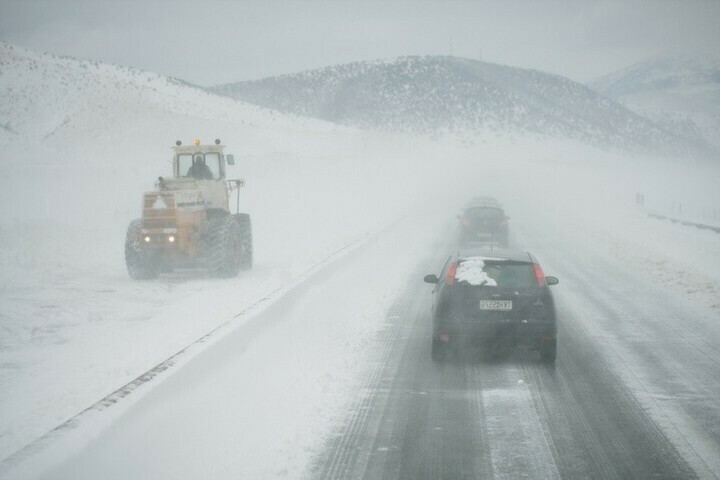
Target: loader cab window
{"points": [[185, 164], [212, 160]]}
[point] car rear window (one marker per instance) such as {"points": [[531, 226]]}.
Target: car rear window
{"points": [[484, 213], [478, 272]]}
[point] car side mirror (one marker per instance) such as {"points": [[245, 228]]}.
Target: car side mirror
{"points": [[552, 280], [431, 278], [230, 158]]}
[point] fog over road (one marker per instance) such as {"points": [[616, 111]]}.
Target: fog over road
{"points": [[633, 393]]}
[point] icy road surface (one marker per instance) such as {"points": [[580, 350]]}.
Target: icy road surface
{"points": [[634, 392]]}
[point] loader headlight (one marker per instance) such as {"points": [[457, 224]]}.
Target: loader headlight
{"points": [[171, 239], [147, 239]]}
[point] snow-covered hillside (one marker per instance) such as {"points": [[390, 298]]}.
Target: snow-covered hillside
{"points": [[681, 94], [439, 95], [49, 98], [81, 143]]}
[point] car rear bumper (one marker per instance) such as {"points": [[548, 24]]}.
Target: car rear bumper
{"points": [[528, 332]]}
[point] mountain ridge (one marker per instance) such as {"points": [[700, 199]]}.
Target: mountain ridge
{"points": [[682, 94], [43, 96], [659, 73], [442, 94]]}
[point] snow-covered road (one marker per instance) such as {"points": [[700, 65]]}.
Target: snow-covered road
{"points": [[340, 384], [633, 393]]}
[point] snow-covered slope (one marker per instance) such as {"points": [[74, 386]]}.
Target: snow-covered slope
{"points": [[682, 94], [438, 94], [46, 96], [81, 143]]}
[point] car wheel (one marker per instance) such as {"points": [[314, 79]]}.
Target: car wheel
{"points": [[438, 351], [548, 353]]}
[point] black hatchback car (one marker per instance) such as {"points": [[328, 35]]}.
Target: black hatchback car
{"points": [[484, 222], [494, 301]]}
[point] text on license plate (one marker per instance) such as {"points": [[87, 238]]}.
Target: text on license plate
{"points": [[495, 304]]}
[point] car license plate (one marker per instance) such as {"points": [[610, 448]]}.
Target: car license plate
{"points": [[495, 304]]}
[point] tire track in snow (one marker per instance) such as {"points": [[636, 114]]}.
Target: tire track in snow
{"points": [[638, 440], [644, 373], [349, 453], [517, 441]]}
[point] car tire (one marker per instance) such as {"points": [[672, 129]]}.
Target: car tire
{"points": [[438, 351], [548, 353]]}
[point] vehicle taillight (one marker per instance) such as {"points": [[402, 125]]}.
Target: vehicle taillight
{"points": [[504, 222], [465, 221], [539, 275], [450, 277]]}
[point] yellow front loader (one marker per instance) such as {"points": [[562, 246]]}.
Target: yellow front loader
{"points": [[187, 223]]}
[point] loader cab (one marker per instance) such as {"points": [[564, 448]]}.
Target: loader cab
{"points": [[191, 164], [212, 156]]}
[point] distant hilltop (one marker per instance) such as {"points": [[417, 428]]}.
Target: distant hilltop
{"points": [[680, 94], [442, 94]]}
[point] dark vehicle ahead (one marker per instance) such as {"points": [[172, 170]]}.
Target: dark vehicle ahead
{"points": [[486, 223], [494, 301], [483, 200]]}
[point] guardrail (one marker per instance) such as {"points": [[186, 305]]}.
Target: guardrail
{"points": [[701, 226], [688, 217]]}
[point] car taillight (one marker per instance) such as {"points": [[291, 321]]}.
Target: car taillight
{"points": [[465, 221], [504, 222], [539, 275], [450, 277]]}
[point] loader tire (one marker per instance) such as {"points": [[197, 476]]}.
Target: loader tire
{"points": [[246, 259], [224, 247], [140, 265]]}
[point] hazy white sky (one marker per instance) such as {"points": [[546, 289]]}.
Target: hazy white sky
{"points": [[211, 42]]}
